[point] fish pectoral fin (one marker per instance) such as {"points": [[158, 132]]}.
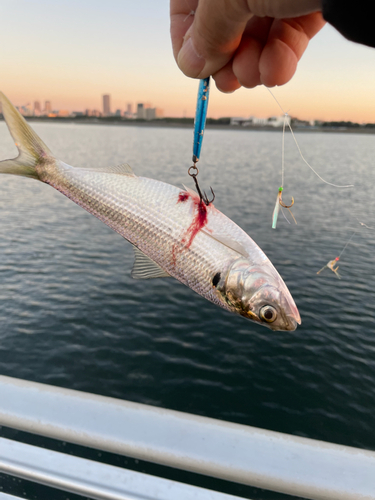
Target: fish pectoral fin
{"points": [[228, 242], [123, 169], [145, 268]]}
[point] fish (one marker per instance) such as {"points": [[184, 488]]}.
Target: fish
{"points": [[173, 232]]}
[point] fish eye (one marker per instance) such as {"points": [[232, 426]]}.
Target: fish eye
{"points": [[268, 313]]}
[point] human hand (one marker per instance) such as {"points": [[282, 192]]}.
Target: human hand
{"points": [[242, 42]]}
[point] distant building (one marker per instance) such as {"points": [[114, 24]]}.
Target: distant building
{"points": [[258, 121], [63, 113], [278, 121], [153, 113], [47, 107], [129, 111], [93, 112], [25, 110], [150, 113], [141, 111], [37, 108], [118, 112], [106, 105], [238, 120]]}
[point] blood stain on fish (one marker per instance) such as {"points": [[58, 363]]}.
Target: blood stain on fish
{"points": [[198, 222], [183, 196]]}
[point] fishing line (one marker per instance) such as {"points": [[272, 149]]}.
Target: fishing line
{"points": [[279, 200], [191, 13], [282, 153], [350, 239], [300, 152]]}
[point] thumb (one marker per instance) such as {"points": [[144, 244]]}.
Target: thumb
{"points": [[213, 37]]}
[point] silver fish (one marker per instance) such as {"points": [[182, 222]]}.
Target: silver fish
{"points": [[172, 231]]}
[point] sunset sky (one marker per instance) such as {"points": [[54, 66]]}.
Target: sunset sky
{"points": [[72, 52]]}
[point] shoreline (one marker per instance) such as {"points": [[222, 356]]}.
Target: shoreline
{"points": [[176, 124]]}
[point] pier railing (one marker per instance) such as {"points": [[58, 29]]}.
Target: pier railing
{"points": [[270, 460]]}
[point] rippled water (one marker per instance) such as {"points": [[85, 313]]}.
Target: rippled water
{"points": [[70, 314]]}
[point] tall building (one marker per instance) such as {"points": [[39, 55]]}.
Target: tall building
{"points": [[47, 107], [106, 105], [141, 112], [129, 111], [37, 108], [150, 113]]}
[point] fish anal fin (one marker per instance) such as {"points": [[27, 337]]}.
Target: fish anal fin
{"points": [[228, 242], [145, 268]]}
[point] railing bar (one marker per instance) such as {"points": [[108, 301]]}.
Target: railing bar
{"points": [[271, 460], [5, 496], [95, 480]]}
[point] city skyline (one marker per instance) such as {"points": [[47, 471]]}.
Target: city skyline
{"points": [[84, 52], [143, 110]]}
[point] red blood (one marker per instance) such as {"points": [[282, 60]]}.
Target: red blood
{"points": [[198, 222], [183, 196]]}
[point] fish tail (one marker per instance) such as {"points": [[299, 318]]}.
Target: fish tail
{"points": [[32, 150]]}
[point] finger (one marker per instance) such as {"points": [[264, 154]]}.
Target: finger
{"points": [[226, 80], [247, 56], [182, 17], [287, 42], [281, 9], [213, 37]]}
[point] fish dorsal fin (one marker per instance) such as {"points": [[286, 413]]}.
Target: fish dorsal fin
{"points": [[228, 242], [145, 268], [123, 169]]}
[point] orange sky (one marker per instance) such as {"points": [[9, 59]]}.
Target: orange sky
{"points": [[73, 52]]}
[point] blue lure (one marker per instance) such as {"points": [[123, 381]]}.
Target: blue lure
{"points": [[200, 117]]}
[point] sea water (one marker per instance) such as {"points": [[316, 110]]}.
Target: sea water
{"points": [[72, 316]]}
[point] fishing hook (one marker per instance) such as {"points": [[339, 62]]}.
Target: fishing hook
{"points": [[193, 172], [283, 204], [280, 203]]}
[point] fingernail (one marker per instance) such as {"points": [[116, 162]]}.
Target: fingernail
{"points": [[189, 61]]}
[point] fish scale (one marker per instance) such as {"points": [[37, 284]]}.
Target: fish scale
{"points": [[173, 231]]}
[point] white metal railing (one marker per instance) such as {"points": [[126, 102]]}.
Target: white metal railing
{"points": [[93, 479], [265, 459], [4, 496]]}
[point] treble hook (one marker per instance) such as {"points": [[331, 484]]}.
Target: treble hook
{"points": [[203, 197]]}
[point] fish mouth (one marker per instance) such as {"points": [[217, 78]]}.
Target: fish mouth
{"points": [[291, 316], [294, 317], [292, 324], [289, 325]]}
